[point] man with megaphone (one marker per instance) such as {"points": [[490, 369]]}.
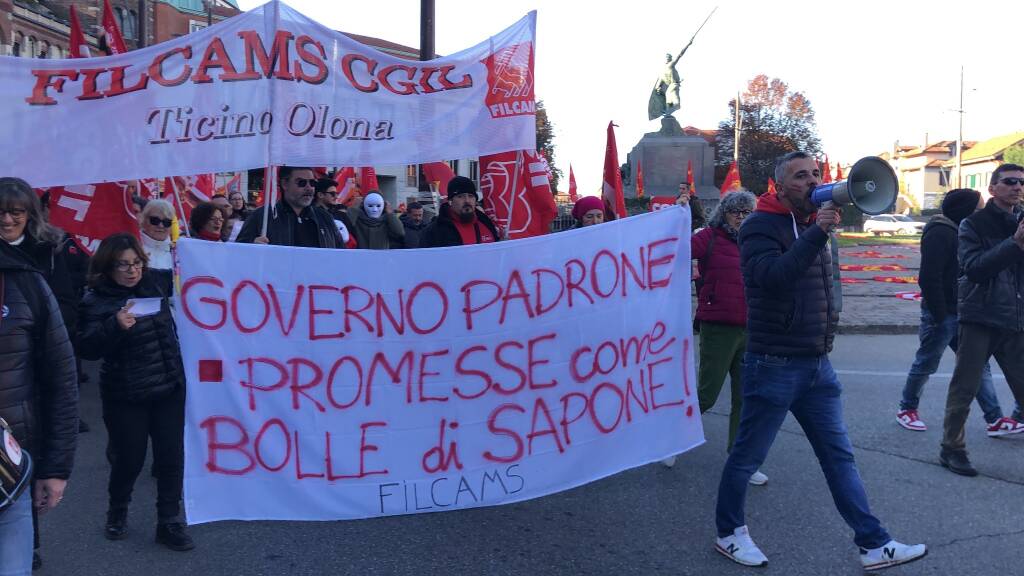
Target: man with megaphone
{"points": [[791, 322]]}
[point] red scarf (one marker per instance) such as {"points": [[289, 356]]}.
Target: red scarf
{"points": [[469, 231], [209, 236]]}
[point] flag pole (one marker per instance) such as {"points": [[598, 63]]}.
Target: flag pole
{"points": [[181, 207], [515, 186], [269, 201]]}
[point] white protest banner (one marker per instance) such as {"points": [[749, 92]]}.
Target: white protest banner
{"points": [[335, 384], [269, 86]]}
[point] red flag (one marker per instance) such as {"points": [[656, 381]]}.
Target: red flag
{"points": [[439, 172], [92, 212], [191, 190], [826, 174], [771, 186], [611, 189], [517, 193], [639, 180], [572, 186], [368, 180], [659, 202], [345, 179], [689, 175], [231, 186], [839, 171], [732, 180], [79, 49], [111, 33], [149, 188]]}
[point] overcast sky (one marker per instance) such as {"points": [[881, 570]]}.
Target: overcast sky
{"points": [[874, 71]]}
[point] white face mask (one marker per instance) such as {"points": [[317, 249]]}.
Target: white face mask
{"points": [[374, 205]]}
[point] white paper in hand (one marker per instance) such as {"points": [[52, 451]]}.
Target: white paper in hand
{"points": [[144, 306]]}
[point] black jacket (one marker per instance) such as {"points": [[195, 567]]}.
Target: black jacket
{"points": [[38, 381], [991, 270], [413, 232], [442, 231], [937, 277], [788, 285], [139, 364], [52, 261], [282, 226]]}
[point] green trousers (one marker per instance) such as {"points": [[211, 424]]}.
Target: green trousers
{"points": [[721, 353]]}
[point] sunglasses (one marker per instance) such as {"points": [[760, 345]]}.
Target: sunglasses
{"points": [[304, 182], [1012, 181], [155, 221]]}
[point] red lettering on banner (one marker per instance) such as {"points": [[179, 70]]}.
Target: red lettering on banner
{"points": [[500, 360], [89, 89], [493, 428], [641, 400], [531, 362], [394, 373], [423, 373], [566, 421], [463, 371], [576, 285], [299, 473], [250, 384], [579, 377], [382, 310], [540, 308], [335, 368], [425, 73], [627, 264], [215, 56], [298, 388], [447, 84], [468, 309], [49, 79], [369, 65], [357, 313], [408, 86], [310, 58], [295, 307], [363, 449], [314, 312], [595, 281], [217, 302], [443, 457], [214, 445], [259, 443], [156, 69], [255, 51], [516, 280], [234, 307], [117, 86], [654, 388], [593, 410], [541, 408], [410, 305], [654, 263]]}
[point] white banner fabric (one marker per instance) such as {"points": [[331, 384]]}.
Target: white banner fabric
{"points": [[339, 384], [269, 86]]}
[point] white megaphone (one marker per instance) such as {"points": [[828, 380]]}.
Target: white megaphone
{"points": [[871, 187]]}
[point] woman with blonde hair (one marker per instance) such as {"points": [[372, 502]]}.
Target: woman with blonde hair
{"points": [[155, 223]]}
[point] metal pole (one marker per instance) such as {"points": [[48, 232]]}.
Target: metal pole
{"points": [[426, 30], [736, 135], [209, 12], [960, 135], [141, 40]]}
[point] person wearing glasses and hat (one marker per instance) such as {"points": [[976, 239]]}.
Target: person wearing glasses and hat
{"points": [[460, 221], [142, 382], [294, 220]]}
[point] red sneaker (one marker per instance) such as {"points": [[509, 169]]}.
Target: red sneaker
{"points": [[1004, 426], [909, 420]]}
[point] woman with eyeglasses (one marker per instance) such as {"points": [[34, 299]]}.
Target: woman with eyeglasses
{"points": [[142, 381], [155, 224], [207, 222], [722, 308]]}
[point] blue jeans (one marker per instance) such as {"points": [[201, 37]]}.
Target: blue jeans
{"points": [[16, 537], [806, 386], [935, 336]]}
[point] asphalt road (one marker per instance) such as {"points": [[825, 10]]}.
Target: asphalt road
{"points": [[649, 520]]}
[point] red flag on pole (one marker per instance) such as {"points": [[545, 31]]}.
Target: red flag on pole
{"points": [[92, 212], [111, 33], [440, 173], [231, 186], [572, 186], [368, 180], [345, 179], [639, 180], [517, 193], [826, 172], [839, 171], [190, 190], [611, 189], [79, 48], [732, 180], [771, 186], [689, 175]]}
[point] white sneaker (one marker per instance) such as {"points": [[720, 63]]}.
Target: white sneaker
{"points": [[758, 479], [891, 554], [741, 549], [669, 462]]}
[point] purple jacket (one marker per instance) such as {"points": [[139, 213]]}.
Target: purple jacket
{"points": [[721, 297]]}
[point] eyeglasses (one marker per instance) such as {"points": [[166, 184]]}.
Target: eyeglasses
{"points": [[122, 266], [155, 221], [304, 182], [1007, 181], [16, 213], [218, 219], [740, 213]]}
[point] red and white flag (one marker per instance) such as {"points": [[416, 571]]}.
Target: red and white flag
{"points": [[79, 48], [111, 33], [732, 180], [611, 190], [231, 186], [187, 192], [517, 193], [368, 180], [92, 212], [826, 172], [438, 173], [839, 172], [573, 197], [345, 180]]}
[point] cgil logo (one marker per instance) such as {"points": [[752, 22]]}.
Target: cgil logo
{"points": [[510, 81]]}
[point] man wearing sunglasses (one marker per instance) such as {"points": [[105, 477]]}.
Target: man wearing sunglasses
{"points": [[294, 220], [990, 306]]}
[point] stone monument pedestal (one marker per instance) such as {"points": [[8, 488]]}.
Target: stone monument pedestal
{"points": [[664, 155]]}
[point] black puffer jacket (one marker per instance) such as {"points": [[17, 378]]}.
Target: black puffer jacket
{"points": [[281, 228], [991, 270], [442, 231], [52, 261], [142, 363], [38, 381], [788, 285]]}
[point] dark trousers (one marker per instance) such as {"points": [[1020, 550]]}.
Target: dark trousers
{"points": [[978, 343], [130, 426], [721, 355]]}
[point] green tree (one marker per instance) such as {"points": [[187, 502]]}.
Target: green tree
{"points": [[773, 121], [546, 143], [1014, 155]]}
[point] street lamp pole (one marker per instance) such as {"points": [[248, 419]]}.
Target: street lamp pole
{"points": [[141, 40]]}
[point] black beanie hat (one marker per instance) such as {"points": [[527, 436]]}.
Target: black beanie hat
{"points": [[960, 203], [460, 185]]}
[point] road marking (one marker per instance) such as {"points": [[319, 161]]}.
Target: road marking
{"points": [[900, 374]]}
